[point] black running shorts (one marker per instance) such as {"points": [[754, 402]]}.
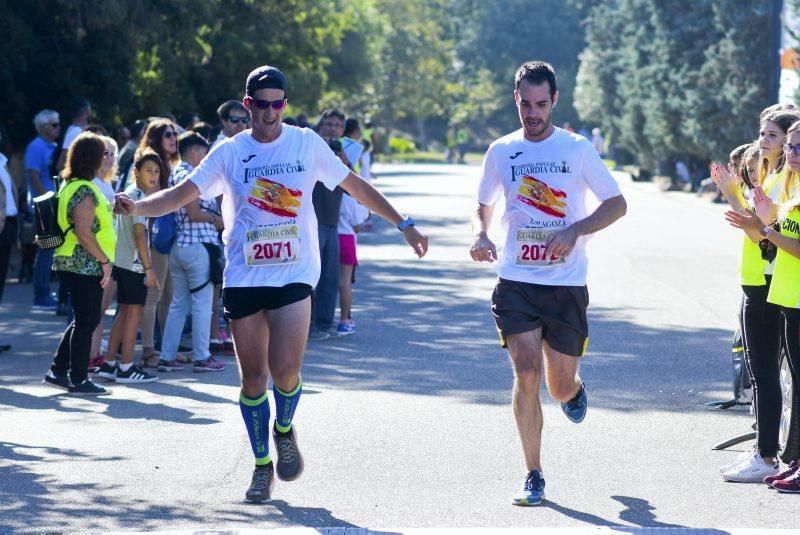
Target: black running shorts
{"points": [[242, 302], [560, 311], [130, 286]]}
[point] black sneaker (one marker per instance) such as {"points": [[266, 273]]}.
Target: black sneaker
{"points": [[59, 382], [290, 461], [134, 375], [261, 485], [88, 388], [107, 371]]}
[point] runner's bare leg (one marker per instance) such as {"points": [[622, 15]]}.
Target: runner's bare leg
{"points": [[288, 326], [561, 374], [525, 350], [251, 340]]}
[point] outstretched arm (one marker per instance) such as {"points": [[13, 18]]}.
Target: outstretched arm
{"points": [[366, 194], [158, 204]]}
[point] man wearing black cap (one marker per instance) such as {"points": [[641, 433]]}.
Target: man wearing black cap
{"points": [[266, 176]]}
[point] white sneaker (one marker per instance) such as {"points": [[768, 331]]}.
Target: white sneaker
{"points": [[752, 470], [737, 461]]}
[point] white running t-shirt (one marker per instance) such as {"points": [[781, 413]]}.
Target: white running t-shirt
{"points": [[546, 185], [270, 227]]}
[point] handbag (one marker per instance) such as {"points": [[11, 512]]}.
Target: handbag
{"points": [[216, 266]]}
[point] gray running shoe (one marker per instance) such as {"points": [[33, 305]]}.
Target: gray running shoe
{"points": [[315, 336], [290, 461], [261, 485]]}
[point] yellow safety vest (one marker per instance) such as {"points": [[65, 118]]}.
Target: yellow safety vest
{"points": [[751, 265], [105, 236], [784, 290]]}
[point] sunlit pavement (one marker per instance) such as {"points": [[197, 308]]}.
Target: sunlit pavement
{"points": [[408, 422]]}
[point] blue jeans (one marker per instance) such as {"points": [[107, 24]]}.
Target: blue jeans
{"points": [[327, 290], [190, 269], [41, 274]]}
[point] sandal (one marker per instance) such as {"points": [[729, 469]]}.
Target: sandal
{"points": [[184, 358], [150, 360]]}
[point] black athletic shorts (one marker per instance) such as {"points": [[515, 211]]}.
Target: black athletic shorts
{"points": [[130, 286], [560, 311], [242, 302]]}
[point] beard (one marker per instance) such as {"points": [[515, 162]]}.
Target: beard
{"points": [[536, 130]]}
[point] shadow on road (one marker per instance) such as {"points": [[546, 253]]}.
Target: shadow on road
{"points": [[125, 409], [33, 499], [421, 331], [639, 512]]}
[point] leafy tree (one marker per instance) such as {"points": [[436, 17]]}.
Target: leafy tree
{"points": [[496, 37], [676, 78]]}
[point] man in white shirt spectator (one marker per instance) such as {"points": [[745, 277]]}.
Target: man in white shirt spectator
{"points": [[80, 110], [9, 219]]}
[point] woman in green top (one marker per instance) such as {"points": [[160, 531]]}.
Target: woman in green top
{"points": [[784, 291], [83, 261]]}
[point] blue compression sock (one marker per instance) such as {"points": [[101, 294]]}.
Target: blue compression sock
{"points": [[285, 405], [255, 413]]}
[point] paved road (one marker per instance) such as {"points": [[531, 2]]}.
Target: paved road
{"points": [[408, 422]]}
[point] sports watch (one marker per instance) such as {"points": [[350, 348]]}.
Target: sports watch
{"points": [[405, 223]]}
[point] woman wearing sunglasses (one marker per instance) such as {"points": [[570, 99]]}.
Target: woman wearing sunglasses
{"points": [[267, 177], [784, 295], [760, 318], [162, 137]]}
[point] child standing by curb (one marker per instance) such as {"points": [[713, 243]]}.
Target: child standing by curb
{"points": [[134, 274], [351, 215]]}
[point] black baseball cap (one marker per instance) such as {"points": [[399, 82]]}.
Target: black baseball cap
{"points": [[265, 77]]}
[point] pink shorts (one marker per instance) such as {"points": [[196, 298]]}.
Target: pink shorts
{"points": [[347, 250]]}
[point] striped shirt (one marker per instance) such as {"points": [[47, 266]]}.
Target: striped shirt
{"points": [[191, 232]]}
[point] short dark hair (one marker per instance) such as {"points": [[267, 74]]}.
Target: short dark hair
{"points": [[138, 128], [97, 128], [147, 155], [77, 106], [536, 72], [351, 125], [225, 108], [190, 139], [203, 128], [186, 120], [332, 112], [84, 157]]}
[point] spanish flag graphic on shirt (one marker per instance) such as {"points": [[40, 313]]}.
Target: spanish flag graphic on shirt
{"points": [[275, 198], [539, 195]]}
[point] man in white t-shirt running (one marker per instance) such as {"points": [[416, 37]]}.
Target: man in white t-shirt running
{"points": [[546, 175], [266, 176]]}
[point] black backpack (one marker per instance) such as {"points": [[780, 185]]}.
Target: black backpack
{"points": [[48, 233]]}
